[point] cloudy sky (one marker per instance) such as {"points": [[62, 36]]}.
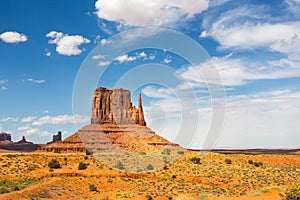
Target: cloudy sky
{"points": [[254, 46]]}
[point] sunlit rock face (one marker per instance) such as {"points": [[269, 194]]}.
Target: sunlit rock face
{"points": [[115, 106]]}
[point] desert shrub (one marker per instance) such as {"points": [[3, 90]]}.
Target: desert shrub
{"points": [[88, 152], [93, 188], [256, 164], [196, 160], [166, 167], [82, 166], [32, 167], [228, 161], [149, 167], [142, 153], [203, 197], [119, 165], [54, 164], [174, 176], [56, 151], [85, 157], [166, 152], [10, 155], [16, 188], [293, 194], [260, 164], [109, 180], [250, 162], [180, 152], [149, 197]]}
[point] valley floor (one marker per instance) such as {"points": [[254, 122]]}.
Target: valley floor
{"points": [[195, 175]]}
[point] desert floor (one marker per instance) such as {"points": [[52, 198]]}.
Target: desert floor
{"points": [[215, 177]]}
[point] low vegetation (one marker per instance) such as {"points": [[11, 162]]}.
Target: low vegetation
{"points": [[82, 166], [193, 176], [54, 164], [195, 160]]}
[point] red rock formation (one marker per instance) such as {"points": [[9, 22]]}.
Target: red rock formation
{"points": [[115, 124], [5, 136], [115, 106]]}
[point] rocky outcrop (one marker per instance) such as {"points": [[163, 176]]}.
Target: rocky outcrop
{"points": [[115, 106], [56, 138], [5, 137], [21, 145], [115, 125]]}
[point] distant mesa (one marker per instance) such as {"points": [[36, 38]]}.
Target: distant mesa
{"points": [[5, 138], [115, 124], [56, 138], [21, 145]]}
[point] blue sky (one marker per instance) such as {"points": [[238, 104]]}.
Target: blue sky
{"points": [[253, 45]]}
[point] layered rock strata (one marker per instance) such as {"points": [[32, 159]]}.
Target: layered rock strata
{"points": [[116, 125], [115, 106]]}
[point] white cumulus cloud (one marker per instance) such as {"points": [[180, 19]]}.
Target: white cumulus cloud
{"points": [[28, 119], [7, 119], [13, 37], [97, 57], [167, 60], [60, 119], [2, 88], [144, 12], [125, 58], [67, 45], [36, 80], [103, 63], [27, 131]]}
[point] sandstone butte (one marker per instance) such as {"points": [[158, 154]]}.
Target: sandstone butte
{"points": [[116, 124]]}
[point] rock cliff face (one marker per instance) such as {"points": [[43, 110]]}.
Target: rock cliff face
{"points": [[115, 124], [115, 106], [5, 136]]}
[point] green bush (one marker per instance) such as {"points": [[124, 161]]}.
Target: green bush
{"points": [[294, 193], [93, 188], [82, 166], [166, 152], [250, 162], [119, 165], [149, 167], [54, 164], [256, 164], [180, 152], [56, 151], [16, 188], [149, 197], [88, 152], [228, 161], [196, 160]]}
